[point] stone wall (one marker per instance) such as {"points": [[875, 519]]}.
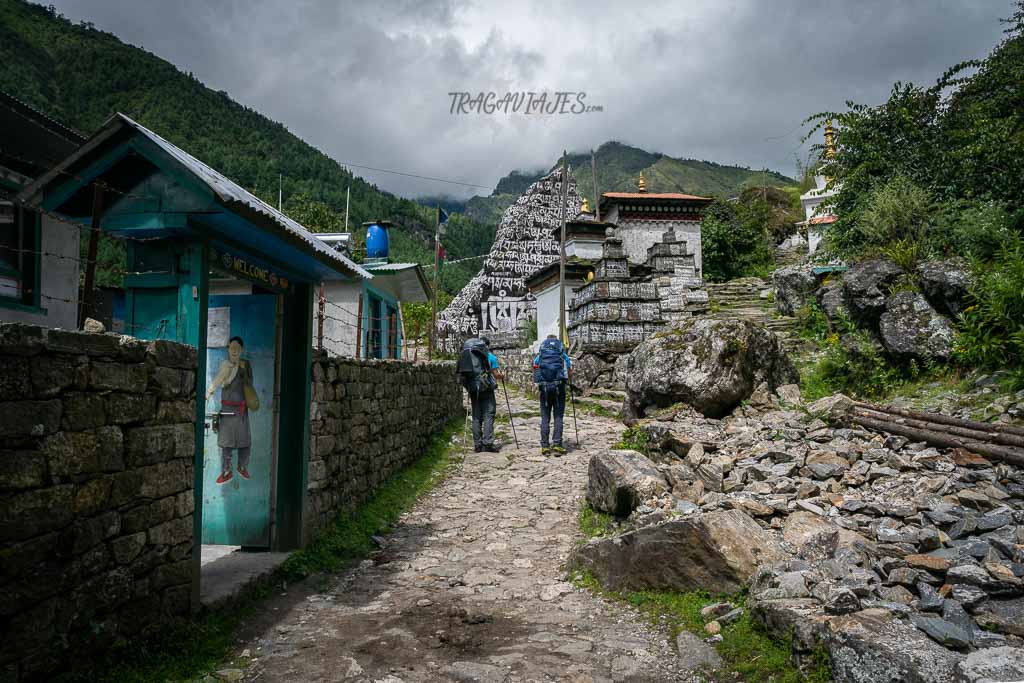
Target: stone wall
{"points": [[96, 479], [517, 366], [369, 419]]}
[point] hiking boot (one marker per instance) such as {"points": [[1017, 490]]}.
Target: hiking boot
{"points": [[491, 448], [545, 450], [558, 451], [477, 448], [224, 477]]}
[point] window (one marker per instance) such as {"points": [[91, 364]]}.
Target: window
{"points": [[374, 336], [393, 348], [19, 254]]}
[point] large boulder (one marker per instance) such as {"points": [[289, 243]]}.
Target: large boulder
{"points": [[711, 365], [866, 285], [619, 481], [712, 551], [832, 301], [794, 288], [591, 371], [875, 645], [946, 284], [911, 329]]}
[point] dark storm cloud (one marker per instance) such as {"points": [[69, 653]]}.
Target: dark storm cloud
{"points": [[728, 81]]}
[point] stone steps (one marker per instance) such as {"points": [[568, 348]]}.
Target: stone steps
{"points": [[747, 299]]}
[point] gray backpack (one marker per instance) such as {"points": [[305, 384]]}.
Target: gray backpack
{"points": [[474, 368]]}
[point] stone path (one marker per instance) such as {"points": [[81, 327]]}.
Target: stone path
{"points": [[470, 587]]}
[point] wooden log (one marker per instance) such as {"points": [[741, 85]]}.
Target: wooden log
{"points": [[987, 436], [945, 419], [1012, 456]]}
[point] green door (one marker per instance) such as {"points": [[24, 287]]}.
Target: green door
{"points": [[238, 456]]}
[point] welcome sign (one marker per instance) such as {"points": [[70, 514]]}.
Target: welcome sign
{"points": [[249, 269]]}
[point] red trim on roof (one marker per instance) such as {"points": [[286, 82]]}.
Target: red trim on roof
{"points": [[652, 195], [822, 220]]}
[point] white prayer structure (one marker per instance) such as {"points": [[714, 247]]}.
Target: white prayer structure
{"points": [[816, 216]]}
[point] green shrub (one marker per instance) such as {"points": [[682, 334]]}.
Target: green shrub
{"points": [[634, 439], [852, 365], [975, 230], [904, 253], [812, 323], [992, 328]]}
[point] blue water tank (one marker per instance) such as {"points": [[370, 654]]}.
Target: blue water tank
{"points": [[377, 240]]}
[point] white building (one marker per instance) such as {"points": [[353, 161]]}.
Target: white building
{"points": [[363, 316], [642, 218], [818, 216], [584, 238], [39, 255]]}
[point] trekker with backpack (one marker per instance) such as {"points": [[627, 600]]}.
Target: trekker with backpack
{"points": [[478, 371], [552, 369]]}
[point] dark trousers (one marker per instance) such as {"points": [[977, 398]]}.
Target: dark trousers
{"points": [[551, 400], [484, 408], [225, 458]]}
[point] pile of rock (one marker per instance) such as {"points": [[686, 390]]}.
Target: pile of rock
{"points": [[899, 558], [909, 313]]}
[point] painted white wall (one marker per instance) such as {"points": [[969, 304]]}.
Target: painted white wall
{"points": [[813, 239], [58, 278], [547, 307], [584, 249], [340, 317], [547, 311], [638, 236]]}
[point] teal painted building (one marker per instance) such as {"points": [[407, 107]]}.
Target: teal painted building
{"points": [[211, 265]]}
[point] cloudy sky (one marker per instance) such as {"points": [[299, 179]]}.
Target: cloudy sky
{"points": [[724, 80]]}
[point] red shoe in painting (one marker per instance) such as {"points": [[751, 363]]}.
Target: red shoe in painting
{"points": [[225, 477], [243, 473]]}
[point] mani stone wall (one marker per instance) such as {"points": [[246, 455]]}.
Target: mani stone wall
{"points": [[95, 491], [496, 302], [369, 419]]}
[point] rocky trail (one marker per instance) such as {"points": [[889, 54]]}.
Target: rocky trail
{"points": [[471, 586]]}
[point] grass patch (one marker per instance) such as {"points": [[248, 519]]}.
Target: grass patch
{"points": [[634, 439], [746, 647], [596, 409], [593, 523], [193, 648]]}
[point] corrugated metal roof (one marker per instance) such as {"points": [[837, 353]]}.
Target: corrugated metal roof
{"points": [[412, 283], [229, 191], [390, 266]]}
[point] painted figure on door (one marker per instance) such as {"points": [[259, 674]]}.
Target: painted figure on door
{"points": [[237, 398]]}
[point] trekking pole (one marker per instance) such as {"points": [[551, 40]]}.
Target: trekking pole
{"points": [[510, 420], [572, 399]]}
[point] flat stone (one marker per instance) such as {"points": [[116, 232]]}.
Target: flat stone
{"points": [[928, 562], [943, 632], [694, 655], [993, 664]]}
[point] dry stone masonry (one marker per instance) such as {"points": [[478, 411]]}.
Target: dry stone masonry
{"points": [[496, 301], [96, 477], [369, 419]]}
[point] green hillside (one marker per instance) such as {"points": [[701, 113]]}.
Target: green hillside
{"points": [[80, 76], [619, 165]]}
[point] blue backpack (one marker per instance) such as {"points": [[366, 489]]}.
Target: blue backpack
{"points": [[550, 368]]}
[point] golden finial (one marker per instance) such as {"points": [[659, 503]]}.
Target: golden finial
{"points": [[641, 184], [586, 206], [830, 143]]}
